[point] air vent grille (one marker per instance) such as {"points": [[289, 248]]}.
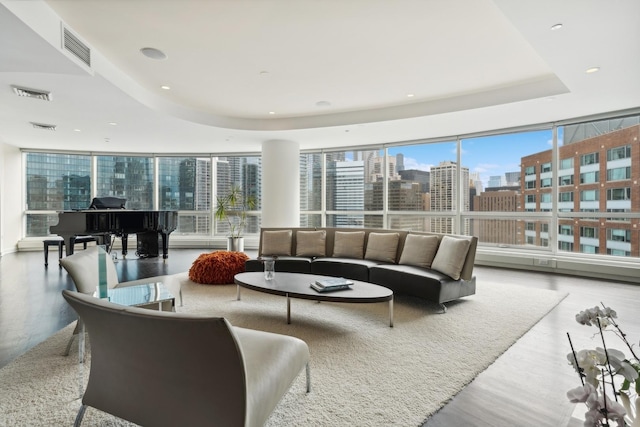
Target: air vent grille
{"points": [[76, 47], [32, 93], [43, 126]]}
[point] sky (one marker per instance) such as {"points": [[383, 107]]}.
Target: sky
{"points": [[488, 156]]}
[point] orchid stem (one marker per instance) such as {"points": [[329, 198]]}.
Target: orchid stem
{"points": [[606, 354], [575, 358]]}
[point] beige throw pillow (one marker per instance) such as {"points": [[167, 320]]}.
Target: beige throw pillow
{"points": [[276, 242], [311, 243], [382, 247], [419, 250], [348, 244], [450, 256]]}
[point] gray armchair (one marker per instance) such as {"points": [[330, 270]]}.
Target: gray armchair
{"points": [[225, 376], [83, 269]]}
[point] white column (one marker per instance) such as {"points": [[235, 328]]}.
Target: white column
{"points": [[280, 184]]}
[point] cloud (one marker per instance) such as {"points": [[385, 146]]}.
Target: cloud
{"points": [[411, 163]]}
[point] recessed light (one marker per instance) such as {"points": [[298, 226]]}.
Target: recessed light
{"points": [[77, 130], [153, 53], [592, 70], [264, 73], [113, 123], [272, 112], [165, 87], [556, 27], [323, 104], [410, 95]]}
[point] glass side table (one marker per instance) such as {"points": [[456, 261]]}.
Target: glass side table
{"points": [[148, 294]]}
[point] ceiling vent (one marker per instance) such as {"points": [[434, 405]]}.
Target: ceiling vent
{"points": [[32, 93], [72, 44], [43, 126]]}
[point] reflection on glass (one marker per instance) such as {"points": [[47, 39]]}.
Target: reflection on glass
{"points": [[126, 177]]}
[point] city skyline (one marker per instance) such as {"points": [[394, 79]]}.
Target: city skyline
{"points": [[488, 156]]}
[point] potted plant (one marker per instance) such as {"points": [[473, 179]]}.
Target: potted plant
{"points": [[233, 209]]}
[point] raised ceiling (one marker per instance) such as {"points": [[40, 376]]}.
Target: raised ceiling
{"points": [[321, 73]]}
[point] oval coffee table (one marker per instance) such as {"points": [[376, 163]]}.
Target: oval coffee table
{"points": [[297, 285]]}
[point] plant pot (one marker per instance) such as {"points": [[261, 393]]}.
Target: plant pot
{"points": [[235, 244]]}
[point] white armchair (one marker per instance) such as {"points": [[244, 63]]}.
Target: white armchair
{"points": [[225, 376]]}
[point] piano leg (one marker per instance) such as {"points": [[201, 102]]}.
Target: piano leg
{"points": [[125, 239], [165, 245], [69, 243]]}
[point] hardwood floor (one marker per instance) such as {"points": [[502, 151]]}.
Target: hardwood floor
{"points": [[526, 386]]}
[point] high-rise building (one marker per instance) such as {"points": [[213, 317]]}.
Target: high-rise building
{"points": [[444, 195], [496, 181], [415, 175], [345, 192], [497, 231], [513, 178], [594, 175], [399, 162]]}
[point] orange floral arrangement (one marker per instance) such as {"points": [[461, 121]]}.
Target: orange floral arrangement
{"points": [[218, 267]]}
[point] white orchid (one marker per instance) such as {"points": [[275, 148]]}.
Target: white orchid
{"points": [[589, 363], [606, 372], [590, 315]]}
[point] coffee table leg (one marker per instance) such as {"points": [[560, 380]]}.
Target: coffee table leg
{"points": [[288, 309], [391, 312], [238, 293]]}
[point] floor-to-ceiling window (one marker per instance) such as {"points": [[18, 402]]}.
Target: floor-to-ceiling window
{"points": [[511, 188], [245, 173], [185, 184], [570, 188], [54, 182], [425, 179], [126, 177], [311, 178], [350, 181], [604, 214]]}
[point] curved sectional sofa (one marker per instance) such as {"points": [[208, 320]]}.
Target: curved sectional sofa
{"points": [[432, 266]]}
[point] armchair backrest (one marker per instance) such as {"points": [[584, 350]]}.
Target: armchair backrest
{"points": [[162, 368], [82, 266]]}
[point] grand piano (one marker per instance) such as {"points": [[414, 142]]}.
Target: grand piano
{"points": [[119, 222]]}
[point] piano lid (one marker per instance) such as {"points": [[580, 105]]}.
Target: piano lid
{"points": [[107, 203]]}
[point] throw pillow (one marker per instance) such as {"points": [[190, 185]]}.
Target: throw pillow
{"points": [[382, 247], [311, 243], [217, 268], [450, 256], [348, 244], [419, 250], [276, 242]]}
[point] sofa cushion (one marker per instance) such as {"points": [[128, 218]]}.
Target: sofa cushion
{"points": [[382, 247], [276, 242], [419, 250], [450, 256], [348, 244], [311, 243]]}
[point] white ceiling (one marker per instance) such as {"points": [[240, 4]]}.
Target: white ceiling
{"points": [[471, 66]]}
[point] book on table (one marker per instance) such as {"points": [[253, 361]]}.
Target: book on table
{"points": [[331, 284]]}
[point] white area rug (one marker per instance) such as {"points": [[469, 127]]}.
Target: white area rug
{"points": [[363, 372]]}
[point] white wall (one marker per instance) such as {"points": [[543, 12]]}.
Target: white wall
{"points": [[11, 185]]}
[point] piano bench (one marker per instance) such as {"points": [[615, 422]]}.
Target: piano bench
{"points": [[59, 242]]}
